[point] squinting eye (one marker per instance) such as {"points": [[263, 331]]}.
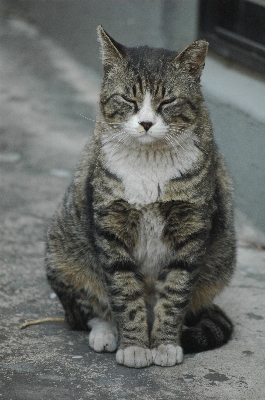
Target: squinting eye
{"points": [[127, 99], [164, 102], [134, 102]]}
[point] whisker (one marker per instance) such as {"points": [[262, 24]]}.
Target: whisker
{"points": [[196, 144], [183, 139], [188, 149], [100, 122], [90, 119], [175, 139], [122, 137], [112, 138], [172, 144], [201, 148], [124, 141], [169, 141]]}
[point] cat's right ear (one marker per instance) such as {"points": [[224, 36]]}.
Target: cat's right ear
{"points": [[192, 58], [112, 51]]}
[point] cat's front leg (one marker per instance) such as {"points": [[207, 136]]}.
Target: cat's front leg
{"points": [[128, 307], [116, 228], [134, 357], [174, 288]]}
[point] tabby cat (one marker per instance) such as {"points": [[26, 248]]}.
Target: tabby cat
{"points": [[144, 239]]}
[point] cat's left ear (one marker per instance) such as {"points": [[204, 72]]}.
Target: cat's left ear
{"points": [[112, 51], [192, 58]]}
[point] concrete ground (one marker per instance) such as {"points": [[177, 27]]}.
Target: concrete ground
{"points": [[43, 92]]}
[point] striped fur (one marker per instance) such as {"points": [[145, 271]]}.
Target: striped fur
{"points": [[144, 240]]}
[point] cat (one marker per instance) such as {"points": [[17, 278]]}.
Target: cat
{"points": [[144, 238]]}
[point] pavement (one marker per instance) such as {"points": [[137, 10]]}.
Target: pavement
{"points": [[44, 97]]}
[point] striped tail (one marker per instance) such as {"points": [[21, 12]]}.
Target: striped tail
{"points": [[206, 330]]}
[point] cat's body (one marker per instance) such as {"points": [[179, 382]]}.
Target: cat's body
{"points": [[144, 238]]}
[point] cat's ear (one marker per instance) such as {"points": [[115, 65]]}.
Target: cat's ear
{"points": [[112, 51], [192, 58]]}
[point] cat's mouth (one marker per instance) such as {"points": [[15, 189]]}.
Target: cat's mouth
{"points": [[148, 136], [145, 134]]}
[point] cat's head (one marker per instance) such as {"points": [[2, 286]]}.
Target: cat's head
{"points": [[147, 91]]}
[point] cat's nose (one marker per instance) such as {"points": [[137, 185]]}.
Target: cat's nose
{"points": [[146, 124]]}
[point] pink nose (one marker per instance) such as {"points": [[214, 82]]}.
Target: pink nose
{"points": [[146, 124]]}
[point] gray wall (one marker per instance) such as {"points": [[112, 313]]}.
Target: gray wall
{"points": [[241, 139], [72, 23]]}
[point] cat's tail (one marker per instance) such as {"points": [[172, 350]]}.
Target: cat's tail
{"points": [[206, 330]]}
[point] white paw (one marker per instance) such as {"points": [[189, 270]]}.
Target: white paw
{"points": [[167, 355], [103, 336], [134, 357]]}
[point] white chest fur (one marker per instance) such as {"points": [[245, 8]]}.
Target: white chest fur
{"points": [[151, 253], [143, 172]]}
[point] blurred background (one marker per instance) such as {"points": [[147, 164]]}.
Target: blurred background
{"points": [[233, 80]]}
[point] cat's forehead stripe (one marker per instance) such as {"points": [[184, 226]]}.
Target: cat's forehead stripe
{"points": [[143, 86], [140, 83]]}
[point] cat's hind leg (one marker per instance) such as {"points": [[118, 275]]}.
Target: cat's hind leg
{"points": [[77, 311], [82, 313], [103, 335]]}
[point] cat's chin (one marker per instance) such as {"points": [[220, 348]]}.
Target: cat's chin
{"points": [[146, 139]]}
